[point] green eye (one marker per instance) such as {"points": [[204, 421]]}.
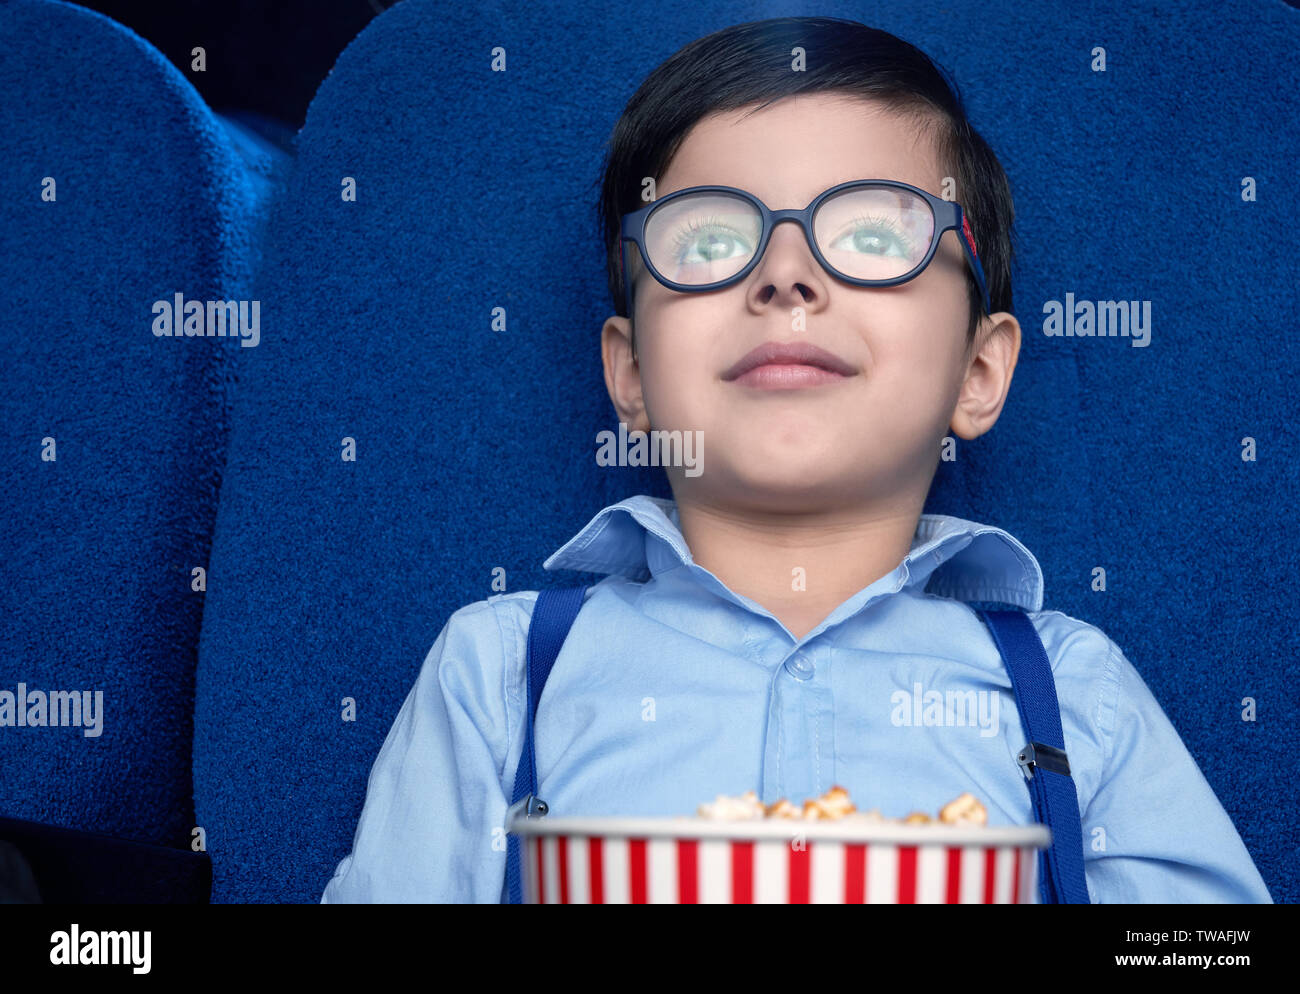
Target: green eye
{"points": [[708, 240], [879, 235]]}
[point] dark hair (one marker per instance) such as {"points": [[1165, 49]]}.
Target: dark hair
{"points": [[750, 63]]}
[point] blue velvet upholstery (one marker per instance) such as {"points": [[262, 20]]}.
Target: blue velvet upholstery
{"points": [[330, 579], [474, 447], [153, 195]]}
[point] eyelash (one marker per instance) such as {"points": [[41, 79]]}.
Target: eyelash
{"points": [[684, 237], [888, 225]]}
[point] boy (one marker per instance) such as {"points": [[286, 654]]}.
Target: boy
{"points": [[780, 624]]}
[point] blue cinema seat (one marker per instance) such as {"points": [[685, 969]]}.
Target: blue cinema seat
{"points": [[389, 449], [152, 195]]}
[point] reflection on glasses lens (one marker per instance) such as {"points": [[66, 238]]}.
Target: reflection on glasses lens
{"points": [[703, 238], [872, 233]]}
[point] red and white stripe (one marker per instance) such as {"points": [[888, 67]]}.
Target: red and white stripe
{"points": [[575, 869]]}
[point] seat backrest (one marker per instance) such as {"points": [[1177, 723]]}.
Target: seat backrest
{"points": [[119, 189], [391, 449]]}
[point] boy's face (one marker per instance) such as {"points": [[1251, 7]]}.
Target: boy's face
{"points": [[872, 436]]}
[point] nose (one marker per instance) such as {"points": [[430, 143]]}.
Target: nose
{"points": [[784, 265]]}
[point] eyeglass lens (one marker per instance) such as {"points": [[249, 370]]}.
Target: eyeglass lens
{"points": [[869, 233]]}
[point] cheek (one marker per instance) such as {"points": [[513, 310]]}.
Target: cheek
{"points": [[913, 368], [675, 375], [682, 351]]}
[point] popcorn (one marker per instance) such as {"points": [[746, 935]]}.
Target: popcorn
{"points": [[835, 805], [741, 808], [964, 810], [782, 809]]}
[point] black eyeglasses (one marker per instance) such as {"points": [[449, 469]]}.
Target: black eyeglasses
{"points": [[872, 232]]}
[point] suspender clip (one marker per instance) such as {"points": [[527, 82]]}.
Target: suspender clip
{"points": [[529, 806], [1048, 757]]}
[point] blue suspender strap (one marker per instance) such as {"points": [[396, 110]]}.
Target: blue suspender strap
{"points": [[1061, 878], [553, 616]]}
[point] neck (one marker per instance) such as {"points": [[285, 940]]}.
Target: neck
{"points": [[801, 565]]}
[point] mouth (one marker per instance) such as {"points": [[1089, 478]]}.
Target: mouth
{"points": [[788, 365]]}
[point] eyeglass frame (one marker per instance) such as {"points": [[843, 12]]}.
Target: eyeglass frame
{"points": [[947, 214]]}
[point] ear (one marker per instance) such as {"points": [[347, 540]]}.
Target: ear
{"points": [[988, 375], [623, 373]]}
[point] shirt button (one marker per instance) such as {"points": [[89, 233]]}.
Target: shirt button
{"points": [[800, 666]]}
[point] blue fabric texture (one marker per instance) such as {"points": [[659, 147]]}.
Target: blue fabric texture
{"points": [[119, 188], [392, 456], [475, 191], [738, 703]]}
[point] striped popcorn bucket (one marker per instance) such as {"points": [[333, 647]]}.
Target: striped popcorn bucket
{"points": [[696, 861]]}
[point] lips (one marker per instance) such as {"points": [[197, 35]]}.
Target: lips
{"points": [[789, 354]]}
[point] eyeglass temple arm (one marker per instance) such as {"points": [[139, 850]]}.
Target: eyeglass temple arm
{"points": [[968, 243]]}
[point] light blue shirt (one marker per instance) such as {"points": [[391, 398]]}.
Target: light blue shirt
{"points": [[672, 689]]}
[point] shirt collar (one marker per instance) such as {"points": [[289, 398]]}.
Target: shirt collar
{"points": [[640, 537]]}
